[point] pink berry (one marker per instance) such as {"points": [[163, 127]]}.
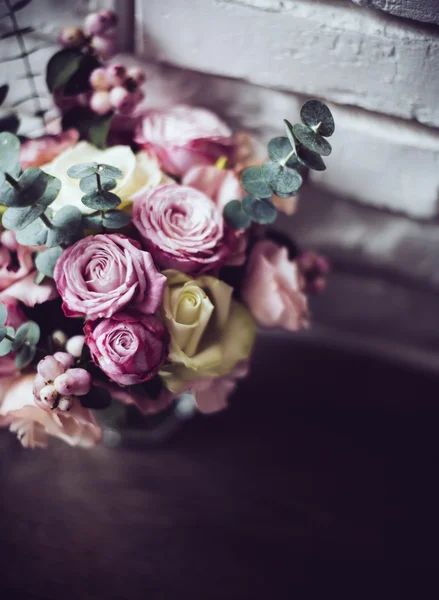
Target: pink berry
{"points": [[49, 368], [64, 383], [101, 22], [104, 47], [48, 395], [65, 403], [100, 102], [59, 338], [82, 381], [99, 79], [65, 359], [122, 100], [74, 345], [71, 37], [116, 74], [137, 74]]}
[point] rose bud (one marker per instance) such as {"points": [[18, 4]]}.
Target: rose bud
{"points": [[104, 47], [75, 344], [100, 102], [65, 403], [137, 74], [48, 395], [116, 74], [101, 22], [122, 100], [99, 79], [71, 37], [65, 359], [49, 368], [59, 338]]}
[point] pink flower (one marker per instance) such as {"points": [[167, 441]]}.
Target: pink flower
{"points": [[17, 273], [272, 288], [314, 269], [182, 228], [146, 404], [102, 274], [15, 318], [128, 347], [39, 151], [33, 424], [211, 395], [183, 137]]}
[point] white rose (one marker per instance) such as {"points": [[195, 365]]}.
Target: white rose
{"points": [[139, 171]]}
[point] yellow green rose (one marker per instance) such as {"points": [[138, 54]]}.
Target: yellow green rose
{"points": [[210, 332]]}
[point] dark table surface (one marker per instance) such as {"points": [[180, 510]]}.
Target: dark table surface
{"points": [[321, 476]]}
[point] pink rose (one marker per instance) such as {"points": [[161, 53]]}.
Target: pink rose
{"points": [[102, 274], [128, 347], [39, 151], [272, 288], [182, 228], [15, 318], [33, 424], [183, 137], [17, 273]]}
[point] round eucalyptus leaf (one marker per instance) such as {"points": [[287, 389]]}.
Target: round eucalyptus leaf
{"points": [[19, 218], [2, 178], [100, 200], [109, 171], [234, 215], [260, 211], [279, 148], [66, 227], [83, 170], [20, 336], [3, 314], [290, 134], [92, 221], [33, 333], [25, 356], [5, 344], [3, 332], [9, 151], [90, 183], [285, 196], [311, 140], [253, 181], [282, 179], [39, 278], [314, 113], [46, 261], [116, 219], [35, 234], [52, 190], [310, 159]]}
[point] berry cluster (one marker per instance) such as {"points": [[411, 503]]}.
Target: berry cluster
{"points": [[116, 88], [98, 33]]}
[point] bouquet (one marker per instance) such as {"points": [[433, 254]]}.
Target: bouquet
{"points": [[136, 261]]}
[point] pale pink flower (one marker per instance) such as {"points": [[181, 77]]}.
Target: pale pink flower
{"points": [[272, 288], [39, 151]]}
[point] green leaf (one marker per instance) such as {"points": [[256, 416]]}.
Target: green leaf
{"points": [[52, 191], [92, 221], [83, 170], [39, 278], [6, 345], [33, 183], [90, 184], [234, 215], [290, 134], [100, 200], [282, 179], [19, 218], [35, 234], [116, 219], [279, 148], [98, 132], [66, 227], [316, 114], [4, 89], [3, 332], [310, 159], [109, 171], [61, 68], [253, 181], [46, 261], [79, 82], [3, 313], [260, 211], [20, 336], [9, 151], [311, 140], [97, 398], [33, 334], [25, 356]]}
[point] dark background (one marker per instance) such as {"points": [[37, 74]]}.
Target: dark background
{"points": [[319, 481]]}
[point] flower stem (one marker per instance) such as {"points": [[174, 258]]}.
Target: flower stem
{"points": [[46, 221], [284, 161], [12, 181], [316, 127], [98, 181]]}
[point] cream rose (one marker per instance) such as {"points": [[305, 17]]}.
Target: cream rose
{"points": [[210, 332], [140, 172]]}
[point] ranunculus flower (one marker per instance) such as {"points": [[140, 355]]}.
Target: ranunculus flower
{"points": [[272, 288], [210, 332], [183, 137], [33, 425], [39, 151], [15, 318], [17, 273], [128, 347], [140, 172], [182, 228], [102, 274]]}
